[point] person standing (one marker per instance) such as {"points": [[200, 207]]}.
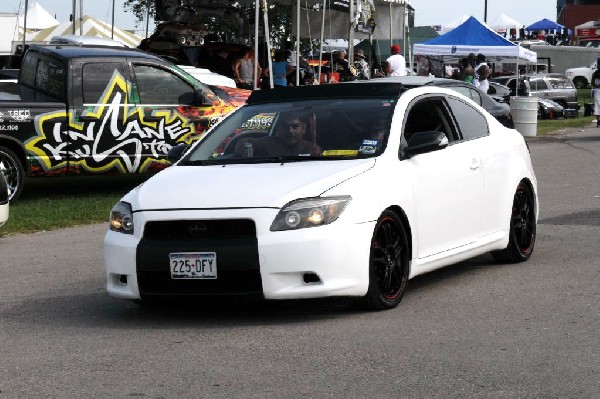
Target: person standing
{"points": [[342, 67], [397, 62], [243, 70], [280, 68], [467, 72], [361, 65], [482, 73], [596, 91]]}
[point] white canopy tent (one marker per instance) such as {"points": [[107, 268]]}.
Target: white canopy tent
{"points": [[37, 18], [457, 22], [503, 24]]}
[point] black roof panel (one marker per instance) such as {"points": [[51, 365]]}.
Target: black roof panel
{"points": [[370, 89]]}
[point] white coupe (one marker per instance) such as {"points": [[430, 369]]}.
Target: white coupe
{"points": [[334, 190]]}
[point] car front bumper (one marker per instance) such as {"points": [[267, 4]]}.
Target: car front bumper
{"points": [[330, 260]]}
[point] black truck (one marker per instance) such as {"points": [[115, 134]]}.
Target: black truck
{"points": [[100, 110]]}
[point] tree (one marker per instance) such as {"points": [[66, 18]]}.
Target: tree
{"points": [[139, 8], [225, 25]]}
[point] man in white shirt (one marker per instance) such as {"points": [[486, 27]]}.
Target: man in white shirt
{"points": [[397, 62], [482, 72]]}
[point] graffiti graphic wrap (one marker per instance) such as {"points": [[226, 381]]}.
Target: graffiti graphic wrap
{"points": [[114, 136]]}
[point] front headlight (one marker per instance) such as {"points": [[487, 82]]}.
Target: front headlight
{"points": [[121, 218], [309, 212]]}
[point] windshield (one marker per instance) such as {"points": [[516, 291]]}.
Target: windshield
{"points": [[298, 131]]}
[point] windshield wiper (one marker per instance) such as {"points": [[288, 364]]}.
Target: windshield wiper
{"points": [[227, 160]]}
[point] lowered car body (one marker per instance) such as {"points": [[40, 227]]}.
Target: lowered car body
{"points": [[391, 183]]}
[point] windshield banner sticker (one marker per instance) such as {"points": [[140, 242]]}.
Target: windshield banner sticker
{"points": [[112, 135]]}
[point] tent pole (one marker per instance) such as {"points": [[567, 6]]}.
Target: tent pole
{"points": [[297, 42], [351, 33], [391, 23], [112, 29], [24, 24], [268, 41], [404, 28], [407, 30], [256, 16], [321, 41], [74, 15], [80, 17]]}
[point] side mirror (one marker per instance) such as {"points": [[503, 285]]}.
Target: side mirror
{"points": [[422, 142], [175, 153], [202, 98]]}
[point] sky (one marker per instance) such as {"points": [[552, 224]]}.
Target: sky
{"points": [[443, 12], [101, 9], [427, 12]]}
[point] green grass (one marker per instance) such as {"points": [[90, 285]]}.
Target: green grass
{"points": [[552, 125], [57, 202]]}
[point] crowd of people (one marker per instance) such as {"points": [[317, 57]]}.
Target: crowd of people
{"points": [[282, 69], [473, 69]]}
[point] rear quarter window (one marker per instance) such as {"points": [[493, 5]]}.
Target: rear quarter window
{"points": [[43, 78], [28, 68], [471, 123]]}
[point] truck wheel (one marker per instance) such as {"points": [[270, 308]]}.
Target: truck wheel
{"points": [[580, 83], [14, 172]]}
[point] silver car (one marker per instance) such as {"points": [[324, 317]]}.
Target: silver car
{"points": [[553, 86]]}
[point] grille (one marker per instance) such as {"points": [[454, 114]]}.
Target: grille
{"points": [[233, 241], [222, 229]]}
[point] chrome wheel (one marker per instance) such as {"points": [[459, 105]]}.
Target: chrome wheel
{"points": [[13, 171]]}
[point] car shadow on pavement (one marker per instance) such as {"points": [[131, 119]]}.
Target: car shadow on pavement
{"points": [[98, 310]]}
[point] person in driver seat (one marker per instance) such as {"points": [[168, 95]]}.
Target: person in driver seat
{"points": [[289, 139]]}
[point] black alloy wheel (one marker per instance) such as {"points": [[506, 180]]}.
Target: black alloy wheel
{"points": [[522, 227], [389, 264], [13, 171]]}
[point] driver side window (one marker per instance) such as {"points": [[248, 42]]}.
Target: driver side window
{"points": [[161, 87], [430, 114]]}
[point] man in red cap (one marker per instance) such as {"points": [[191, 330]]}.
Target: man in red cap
{"points": [[397, 62]]}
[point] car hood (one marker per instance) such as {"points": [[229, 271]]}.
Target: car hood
{"points": [[242, 185]]}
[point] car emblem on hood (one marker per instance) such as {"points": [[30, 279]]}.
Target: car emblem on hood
{"points": [[197, 228]]}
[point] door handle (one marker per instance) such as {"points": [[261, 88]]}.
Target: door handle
{"points": [[475, 164]]}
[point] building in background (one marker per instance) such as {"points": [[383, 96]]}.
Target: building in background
{"points": [[572, 13]]}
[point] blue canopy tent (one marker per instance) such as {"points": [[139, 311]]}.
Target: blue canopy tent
{"points": [[544, 24], [473, 37]]}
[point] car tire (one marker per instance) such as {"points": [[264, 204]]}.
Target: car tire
{"points": [[522, 230], [14, 172], [580, 83], [389, 264]]}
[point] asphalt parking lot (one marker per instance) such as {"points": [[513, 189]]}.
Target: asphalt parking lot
{"points": [[473, 330]]}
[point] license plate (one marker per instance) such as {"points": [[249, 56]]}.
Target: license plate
{"points": [[193, 265]]}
